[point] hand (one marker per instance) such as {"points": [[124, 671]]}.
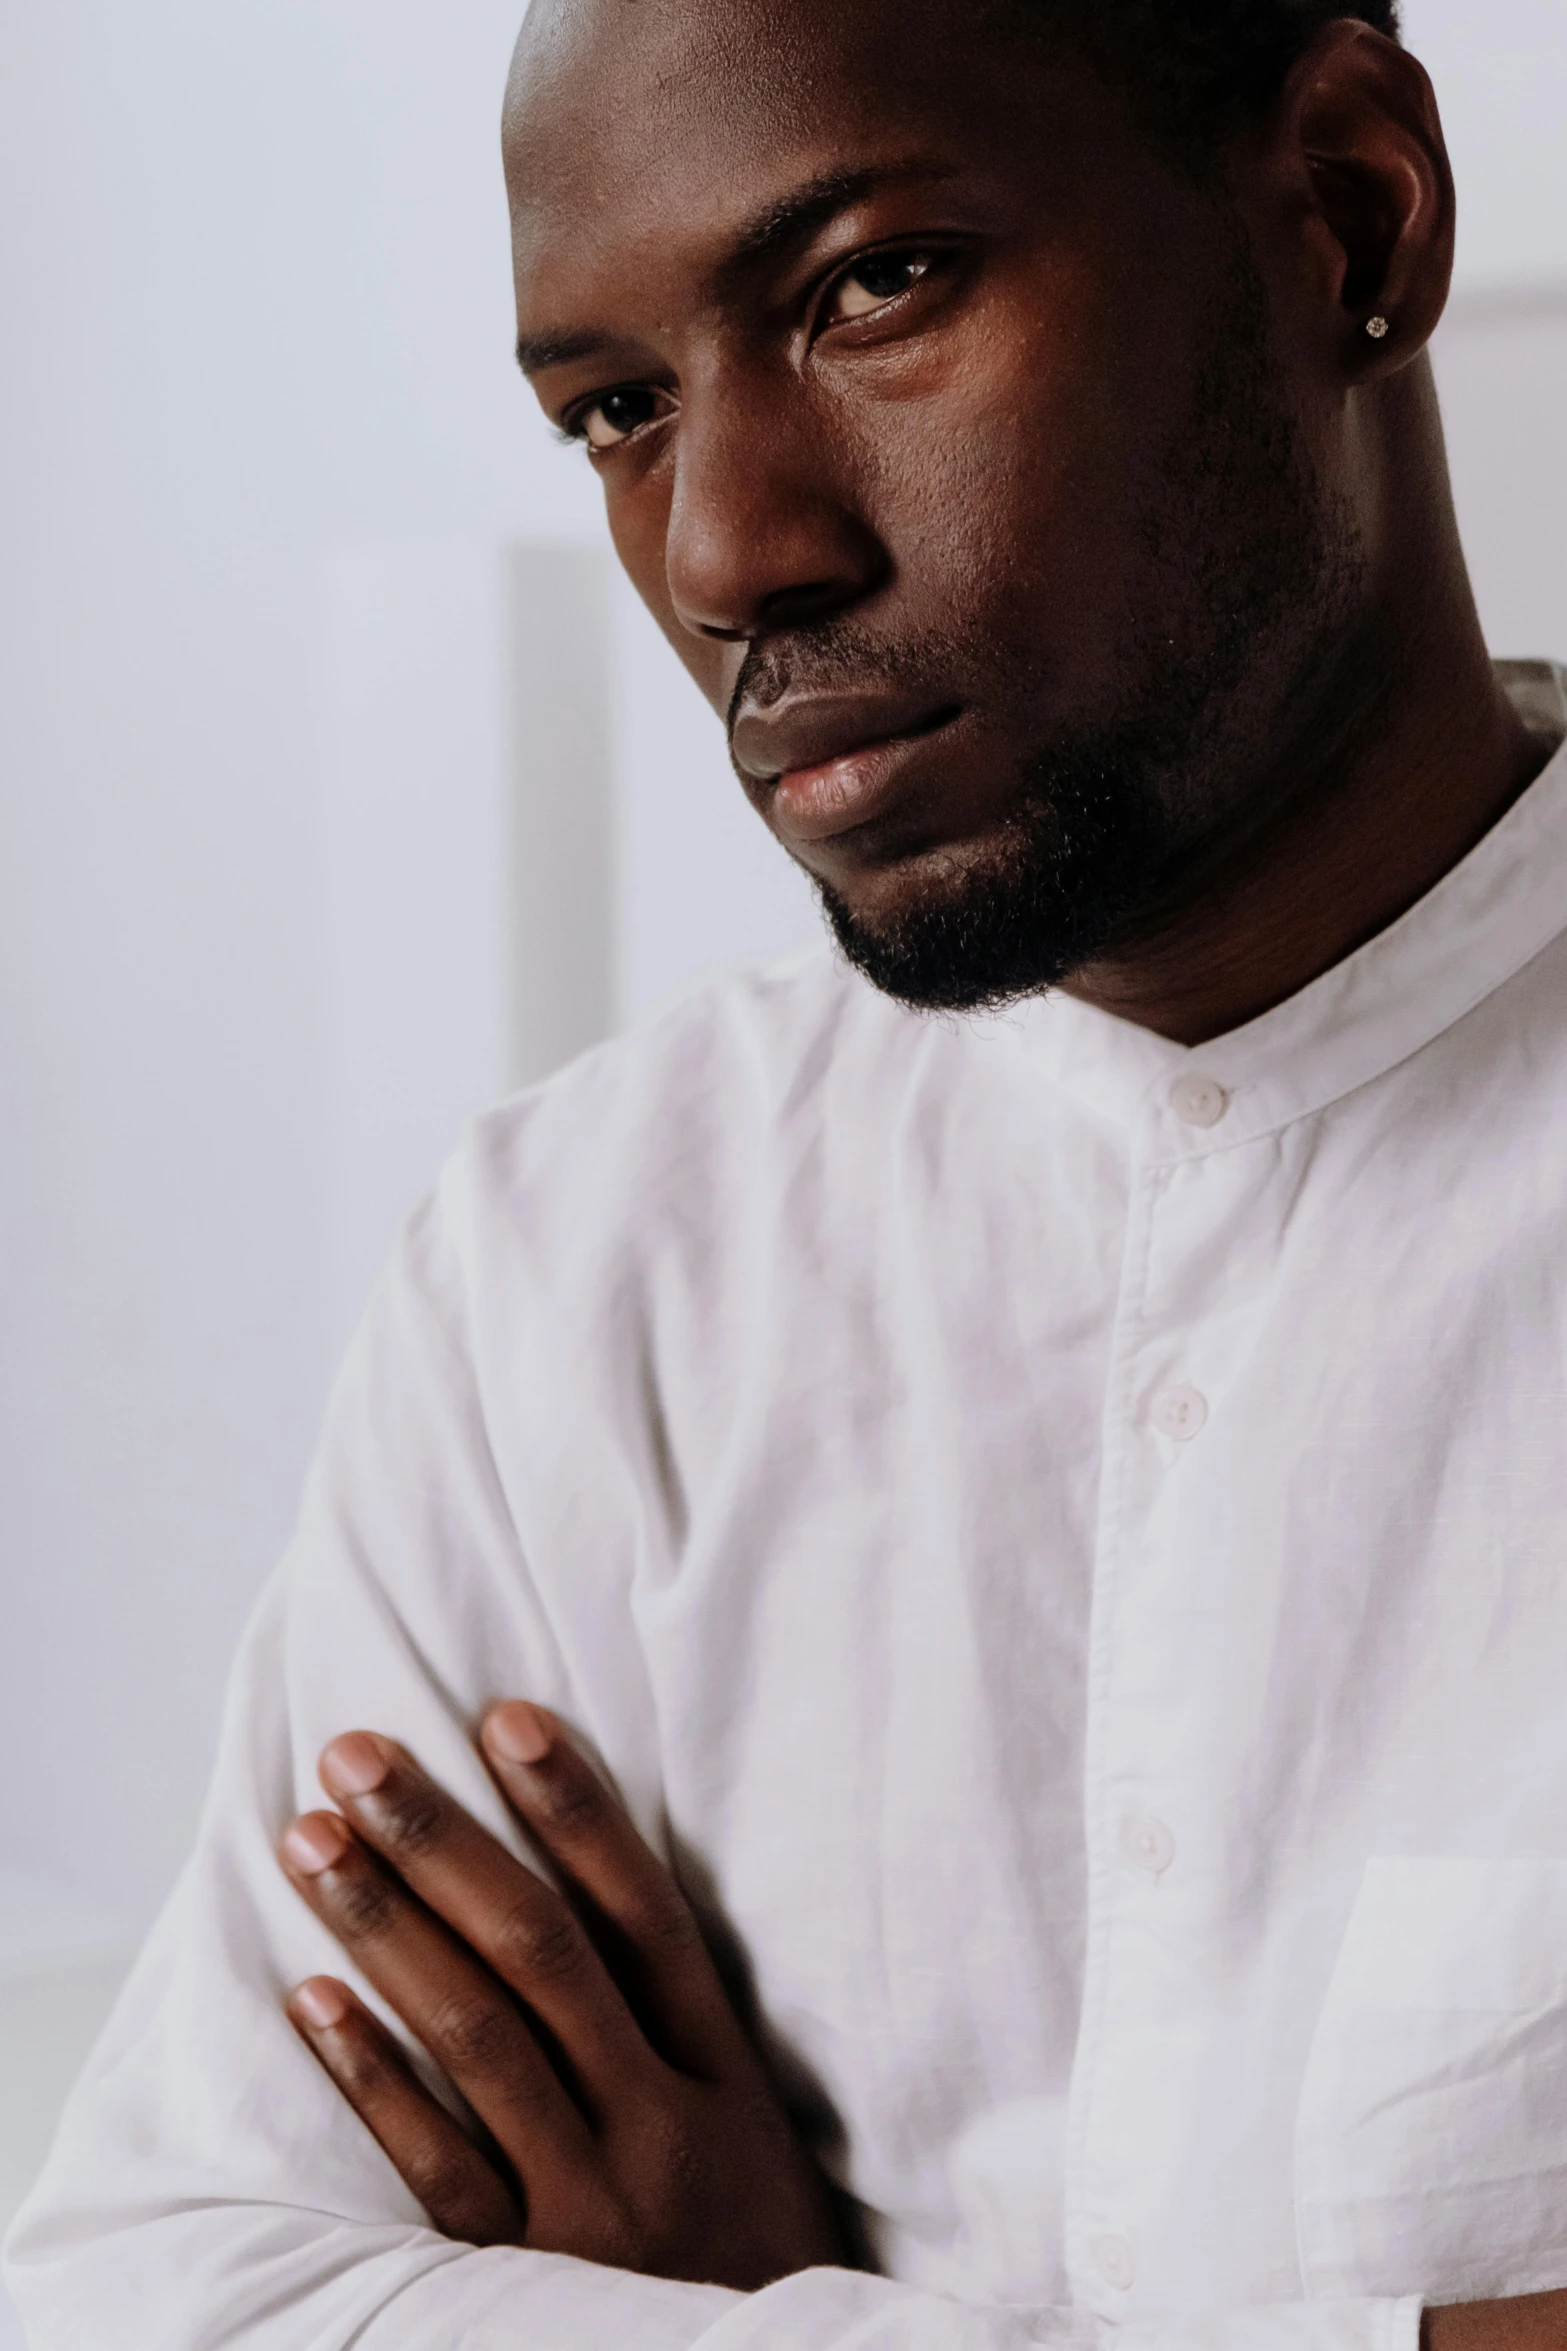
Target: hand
{"points": [[1529, 2322], [628, 2118]]}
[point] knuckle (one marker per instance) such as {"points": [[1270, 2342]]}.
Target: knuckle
{"points": [[364, 1906], [442, 2178], [471, 2035], [361, 2068], [543, 1945], [661, 1921], [572, 1800], [411, 1816]]}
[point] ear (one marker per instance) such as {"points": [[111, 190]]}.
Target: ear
{"points": [[1362, 142]]}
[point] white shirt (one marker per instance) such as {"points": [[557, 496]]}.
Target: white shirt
{"points": [[1071, 1535]]}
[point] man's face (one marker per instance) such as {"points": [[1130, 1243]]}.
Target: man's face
{"points": [[941, 428]]}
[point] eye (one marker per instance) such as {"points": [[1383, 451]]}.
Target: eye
{"points": [[875, 281], [603, 423]]}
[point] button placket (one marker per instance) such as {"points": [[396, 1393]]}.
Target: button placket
{"points": [[1113, 2257], [1180, 1412], [1177, 1184], [1198, 1100], [1148, 1842]]}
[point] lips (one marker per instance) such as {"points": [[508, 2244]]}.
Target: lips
{"points": [[834, 761]]}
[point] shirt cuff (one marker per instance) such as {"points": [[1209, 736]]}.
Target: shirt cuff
{"points": [[500, 2299], [1401, 2324]]}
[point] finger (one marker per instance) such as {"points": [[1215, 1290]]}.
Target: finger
{"points": [[594, 1843], [461, 2190], [521, 1927], [469, 2023]]}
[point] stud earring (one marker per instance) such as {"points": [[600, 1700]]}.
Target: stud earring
{"points": [[1377, 327]]}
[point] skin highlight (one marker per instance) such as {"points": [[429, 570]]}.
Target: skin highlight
{"points": [[1016, 494], [992, 460]]}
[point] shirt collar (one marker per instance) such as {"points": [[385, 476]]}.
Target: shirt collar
{"points": [[1482, 922]]}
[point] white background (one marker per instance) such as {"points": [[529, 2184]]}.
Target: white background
{"points": [[254, 283]]}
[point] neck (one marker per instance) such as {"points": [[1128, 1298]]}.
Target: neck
{"points": [[1375, 809]]}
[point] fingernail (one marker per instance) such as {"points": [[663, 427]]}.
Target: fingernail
{"points": [[518, 1733], [355, 1764], [315, 1843], [320, 2003]]}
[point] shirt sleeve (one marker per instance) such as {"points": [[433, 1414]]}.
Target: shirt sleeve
{"points": [[207, 2185], [837, 2310], [208, 2189]]}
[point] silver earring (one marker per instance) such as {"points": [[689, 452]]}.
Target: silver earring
{"points": [[1377, 327]]}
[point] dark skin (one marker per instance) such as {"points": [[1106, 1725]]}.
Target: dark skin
{"points": [[971, 451], [873, 315], [627, 2118]]}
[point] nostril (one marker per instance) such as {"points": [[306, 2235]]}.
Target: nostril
{"points": [[794, 607]]}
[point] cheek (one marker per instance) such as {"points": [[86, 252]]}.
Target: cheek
{"points": [[1013, 487], [1000, 468]]}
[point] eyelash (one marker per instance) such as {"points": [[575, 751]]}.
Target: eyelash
{"points": [[932, 256], [572, 430]]}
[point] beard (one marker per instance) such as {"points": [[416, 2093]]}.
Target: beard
{"points": [[1225, 650], [1088, 848]]}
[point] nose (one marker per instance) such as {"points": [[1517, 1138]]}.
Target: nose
{"points": [[762, 535]]}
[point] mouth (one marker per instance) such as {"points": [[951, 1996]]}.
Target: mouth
{"points": [[856, 780]]}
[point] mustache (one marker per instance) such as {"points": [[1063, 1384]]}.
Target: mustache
{"points": [[836, 656]]}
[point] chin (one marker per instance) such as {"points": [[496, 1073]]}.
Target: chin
{"points": [[973, 924], [889, 883]]}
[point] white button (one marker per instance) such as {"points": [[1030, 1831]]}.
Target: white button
{"points": [[1115, 2261], [1180, 1412], [1201, 1101], [1147, 1841]]}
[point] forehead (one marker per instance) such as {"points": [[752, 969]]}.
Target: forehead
{"points": [[632, 123]]}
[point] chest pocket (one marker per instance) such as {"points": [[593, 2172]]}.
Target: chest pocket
{"points": [[1431, 2148]]}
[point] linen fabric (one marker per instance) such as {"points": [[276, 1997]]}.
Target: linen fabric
{"points": [[1063, 1541]]}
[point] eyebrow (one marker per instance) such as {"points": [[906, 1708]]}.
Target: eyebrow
{"points": [[810, 206], [770, 232], [537, 352]]}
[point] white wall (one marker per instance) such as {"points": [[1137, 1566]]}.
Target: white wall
{"points": [[1500, 70], [254, 274], [253, 268], [253, 271]]}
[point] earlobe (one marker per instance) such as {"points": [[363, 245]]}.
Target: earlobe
{"points": [[1369, 137]]}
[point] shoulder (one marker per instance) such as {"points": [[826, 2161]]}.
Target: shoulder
{"points": [[645, 1183], [759, 1051], [677, 1132], [746, 1126]]}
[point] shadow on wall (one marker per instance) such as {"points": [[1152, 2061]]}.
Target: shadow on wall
{"points": [[1501, 368]]}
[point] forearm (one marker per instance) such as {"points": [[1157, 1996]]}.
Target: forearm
{"points": [[208, 2188], [836, 2310], [229, 2277]]}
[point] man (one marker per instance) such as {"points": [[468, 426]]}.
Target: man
{"points": [[1050, 1522]]}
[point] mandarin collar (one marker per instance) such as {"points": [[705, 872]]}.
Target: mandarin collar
{"points": [[1489, 916]]}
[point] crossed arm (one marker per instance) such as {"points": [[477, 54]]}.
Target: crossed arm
{"points": [[622, 2114], [619, 2111]]}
